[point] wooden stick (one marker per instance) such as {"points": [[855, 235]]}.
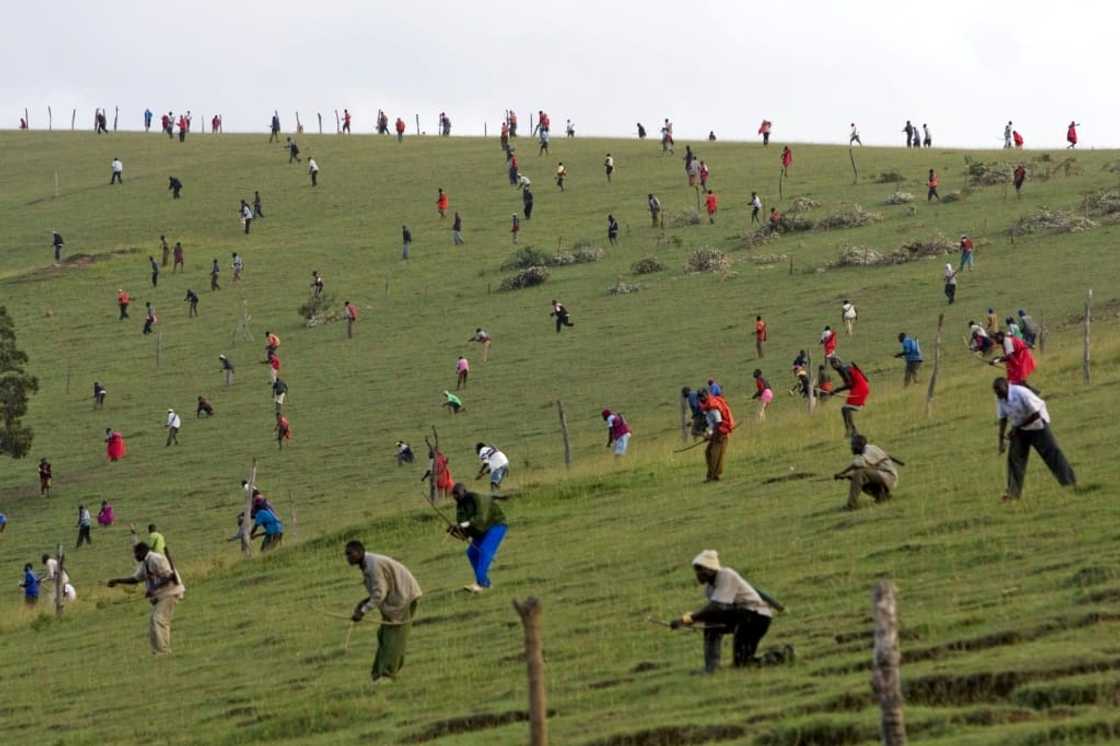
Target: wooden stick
{"points": [[530, 613], [59, 588], [885, 679], [1042, 333], [349, 631], [564, 433], [936, 365], [855, 171], [781, 177], [812, 384], [247, 522], [1088, 322], [418, 124], [50, 119], [684, 420], [73, 117], [320, 115]]}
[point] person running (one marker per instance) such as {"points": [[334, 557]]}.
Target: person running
{"points": [[858, 387], [177, 258], [950, 275], [457, 231], [273, 367], [1028, 328], [1071, 135], [853, 136], [719, 425], [756, 208], [560, 312], [273, 528], [453, 403], [760, 337], [734, 608], [57, 245], [933, 182], [85, 523], [618, 432], [494, 462], [763, 393], [561, 174], [226, 368], [462, 372], [515, 227], [442, 203], [406, 241], [608, 166], [481, 522], [787, 160], [46, 477], [711, 204], [150, 318], [1019, 176], [118, 172], [1017, 359], [872, 471], [99, 394], [1030, 428], [612, 230], [800, 369], [274, 128], [313, 171], [174, 186], [173, 423], [293, 151], [654, 205], [394, 592], [204, 407], [105, 516], [350, 311], [967, 250], [912, 352], [283, 430], [162, 587], [775, 221]]}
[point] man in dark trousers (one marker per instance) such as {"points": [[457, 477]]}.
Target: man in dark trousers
{"points": [[227, 369], [734, 607], [872, 471], [1030, 428], [215, 272], [274, 128], [174, 186], [912, 352], [406, 241], [192, 298], [527, 202], [394, 592], [155, 270], [561, 314], [57, 244], [293, 151]]}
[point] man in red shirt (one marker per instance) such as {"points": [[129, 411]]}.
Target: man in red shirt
{"points": [[966, 253], [711, 202], [346, 121], [720, 425], [123, 300], [1018, 359], [759, 336], [351, 316], [828, 342], [400, 130], [858, 388], [442, 203]]}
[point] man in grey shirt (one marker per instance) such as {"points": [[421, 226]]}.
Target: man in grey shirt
{"points": [[872, 471], [395, 593]]}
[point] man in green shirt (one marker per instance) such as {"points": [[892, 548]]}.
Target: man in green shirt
{"points": [[454, 404], [155, 540], [480, 521]]}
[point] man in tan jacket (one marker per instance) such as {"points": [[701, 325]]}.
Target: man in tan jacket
{"points": [[395, 593], [162, 587], [872, 471]]}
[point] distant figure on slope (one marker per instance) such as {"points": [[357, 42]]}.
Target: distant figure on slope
{"points": [[293, 151], [950, 275], [760, 337], [246, 214], [99, 393], [258, 208], [828, 342], [927, 138], [711, 204], [346, 121], [462, 372], [150, 318], [858, 387], [483, 338], [238, 265], [912, 352], [85, 523], [1007, 136], [618, 432], [394, 592], [400, 129], [57, 246], [442, 203], [1018, 140], [967, 251], [872, 471], [612, 230], [762, 392], [787, 160], [350, 313], [313, 171], [853, 136], [641, 131], [720, 424], [917, 138], [1030, 428], [438, 472], [162, 587], [177, 263], [227, 369], [406, 241], [654, 205], [30, 584], [1071, 135], [174, 186], [154, 265], [204, 407], [283, 430], [481, 523], [453, 403], [734, 608], [515, 227], [46, 477], [457, 230], [848, 315], [118, 172], [1018, 178], [105, 516], [404, 454], [756, 208], [527, 203], [704, 173], [561, 174], [666, 136], [561, 315], [1028, 328], [274, 128], [764, 130], [608, 166], [173, 423], [115, 448], [908, 130]]}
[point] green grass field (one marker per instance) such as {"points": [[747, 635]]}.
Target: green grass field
{"points": [[1009, 612]]}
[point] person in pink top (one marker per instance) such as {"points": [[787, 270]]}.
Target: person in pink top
{"points": [[105, 516], [763, 393], [462, 370]]}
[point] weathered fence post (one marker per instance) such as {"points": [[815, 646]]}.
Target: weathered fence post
{"points": [[1042, 333], [855, 171], [812, 383], [1088, 321], [530, 613], [564, 433], [885, 679], [418, 124], [59, 586], [337, 123], [246, 521], [73, 118], [936, 365], [684, 419], [159, 340], [50, 119], [319, 114]]}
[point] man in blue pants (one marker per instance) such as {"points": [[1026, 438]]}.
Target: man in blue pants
{"points": [[480, 521]]}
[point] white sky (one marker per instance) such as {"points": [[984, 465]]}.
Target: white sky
{"points": [[811, 66]]}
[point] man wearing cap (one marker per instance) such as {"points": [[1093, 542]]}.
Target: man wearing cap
{"points": [[872, 471], [1030, 428], [395, 593], [734, 607], [173, 424], [481, 522], [163, 588], [966, 253]]}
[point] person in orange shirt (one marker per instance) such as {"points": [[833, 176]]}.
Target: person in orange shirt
{"points": [[283, 430], [759, 336], [123, 300], [787, 160], [775, 220], [933, 183], [711, 202], [720, 425], [441, 204]]}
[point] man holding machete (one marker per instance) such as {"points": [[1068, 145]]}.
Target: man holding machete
{"points": [[163, 588]]}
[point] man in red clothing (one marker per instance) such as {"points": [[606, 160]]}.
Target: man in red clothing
{"points": [[855, 383], [720, 425], [1017, 358], [828, 342], [1071, 135], [787, 160], [442, 203], [711, 202], [123, 300], [283, 430], [764, 130], [346, 121], [400, 130], [759, 336], [351, 312]]}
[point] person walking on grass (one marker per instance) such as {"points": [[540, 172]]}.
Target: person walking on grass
{"points": [[1018, 177], [764, 130], [950, 283], [274, 128], [173, 423], [162, 587], [442, 203], [227, 369], [494, 462], [462, 372], [612, 230], [118, 172], [927, 138], [406, 241], [1071, 135], [174, 186], [654, 205], [279, 393], [317, 283], [858, 387], [400, 129], [719, 425], [293, 151], [871, 472], [480, 522], [155, 271], [246, 214], [483, 338], [394, 592], [165, 251], [283, 430], [150, 318], [561, 174], [848, 315], [735, 608], [763, 393], [967, 251], [57, 245], [457, 231], [912, 352], [350, 311], [933, 182], [313, 171], [238, 265], [155, 540], [618, 432], [908, 130], [828, 342], [853, 136], [258, 209], [85, 523], [1016, 357], [99, 394], [1030, 428], [177, 258], [705, 174], [215, 273], [105, 516], [527, 203], [711, 204], [46, 477], [515, 227], [56, 578], [760, 337], [608, 166], [1029, 330]]}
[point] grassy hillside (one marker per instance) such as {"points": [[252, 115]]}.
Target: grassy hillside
{"points": [[1009, 611]]}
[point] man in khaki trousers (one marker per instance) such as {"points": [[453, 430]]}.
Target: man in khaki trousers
{"points": [[872, 471], [163, 588]]}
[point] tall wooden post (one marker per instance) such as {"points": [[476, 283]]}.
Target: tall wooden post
{"points": [[1088, 321], [319, 114], [59, 586], [936, 365], [73, 118], [418, 124], [885, 680], [337, 123], [116, 116], [530, 613], [247, 522], [50, 119], [564, 433], [812, 383], [159, 340], [1042, 333], [684, 419]]}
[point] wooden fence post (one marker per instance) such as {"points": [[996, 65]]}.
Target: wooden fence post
{"points": [[885, 680], [1088, 321], [1042, 333], [855, 171], [812, 384], [59, 586], [73, 118], [684, 419], [159, 340], [247, 522], [781, 177], [418, 124], [50, 119], [564, 433], [530, 613], [319, 114], [337, 123], [791, 266], [936, 365], [116, 116]]}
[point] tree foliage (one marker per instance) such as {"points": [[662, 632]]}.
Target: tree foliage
{"points": [[16, 387]]}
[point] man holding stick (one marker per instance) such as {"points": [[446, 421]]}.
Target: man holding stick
{"points": [[395, 593], [162, 587], [872, 471], [1030, 428], [480, 522]]}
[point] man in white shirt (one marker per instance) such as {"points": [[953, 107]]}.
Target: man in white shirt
{"points": [[853, 137], [494, 462], [756, 208], [848, 314], [50, 577], [872, 471], [1030, 427], [734, 607], [118, 172], [313, 169], [173, 424]]}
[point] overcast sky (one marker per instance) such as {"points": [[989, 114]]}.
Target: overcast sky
{"points": [[811, 67]]}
